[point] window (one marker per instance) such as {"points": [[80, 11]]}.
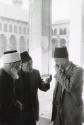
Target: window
{"points": [[24, 30], [62, 42], [20, 30], [0, 26], [5, 27], [15, 29], [55, 31], [10, 28], [65, 31], [61, 31]]}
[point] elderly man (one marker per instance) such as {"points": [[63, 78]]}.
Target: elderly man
{"points": [[9, 108], [27, 90], [67, 97]]}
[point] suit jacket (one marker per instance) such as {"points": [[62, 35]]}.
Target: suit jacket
{"points": [[27, 92], [67, 101]]}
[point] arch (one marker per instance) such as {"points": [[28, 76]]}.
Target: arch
{"points": [[54, 44], [65, 31], [12, 43], [61, 31], [62, 42], [3, 43], [22, 44], [55, 31]]}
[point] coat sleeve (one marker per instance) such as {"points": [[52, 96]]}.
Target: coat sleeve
{"points": [[41, 84], [1, 92], [75, 80]]}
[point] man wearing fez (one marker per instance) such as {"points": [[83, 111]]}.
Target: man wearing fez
{"points": [[67, 96], [9, 108], [27, 90]]}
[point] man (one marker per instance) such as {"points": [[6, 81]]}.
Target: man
{"points": [[67, 97], [27, 90], [9, 108]]}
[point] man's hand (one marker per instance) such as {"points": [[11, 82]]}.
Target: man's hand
{"points": [[48, 80], [20, 105]]}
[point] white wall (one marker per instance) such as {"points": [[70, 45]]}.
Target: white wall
{"points": [[75, 31]]}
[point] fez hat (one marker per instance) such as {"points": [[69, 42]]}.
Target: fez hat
{"points": [[61, 52], [25, 56], [11, 56]]}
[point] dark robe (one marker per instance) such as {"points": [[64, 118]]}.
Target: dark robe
{"points": [[9, 111], [27, 92]]}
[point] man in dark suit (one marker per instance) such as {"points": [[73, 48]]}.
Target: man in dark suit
{"points": [[67, 97], [27, 90]]}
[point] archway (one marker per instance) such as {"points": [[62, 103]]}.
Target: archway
{"points": [[55, 32], [12, 43], [3, 43], [62, 42], [54, 44]]}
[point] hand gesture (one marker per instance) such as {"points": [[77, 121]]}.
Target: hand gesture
{"points": [[48, 80]]}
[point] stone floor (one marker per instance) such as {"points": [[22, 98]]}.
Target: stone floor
{"points": [[45, 101], [44, 121]]}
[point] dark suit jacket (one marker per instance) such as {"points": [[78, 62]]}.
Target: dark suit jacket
{"points": [[27, 92]]}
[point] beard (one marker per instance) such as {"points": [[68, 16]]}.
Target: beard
{"points": [[14, 73]]}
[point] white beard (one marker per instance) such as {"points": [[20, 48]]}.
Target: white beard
{"points": [[14, 73]]}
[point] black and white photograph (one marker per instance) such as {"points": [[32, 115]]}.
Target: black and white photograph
{"points": [[41, 62]]}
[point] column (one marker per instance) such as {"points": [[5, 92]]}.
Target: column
{"points": [[46, 36], [75, 43], [82, 55], [35, 32]]}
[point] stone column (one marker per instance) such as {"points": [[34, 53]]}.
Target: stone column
{"points": [[39, 36], [46, 36], [82, 55], [35, 32], [75, 43]]}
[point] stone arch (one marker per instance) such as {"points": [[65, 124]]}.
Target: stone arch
{"points": [[55, 32], [3, 43], [65, 31], [54, 44], [62, 42], [61, 30], [12, 43], [22, 44]]}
